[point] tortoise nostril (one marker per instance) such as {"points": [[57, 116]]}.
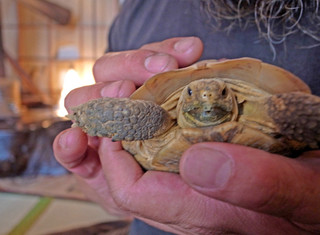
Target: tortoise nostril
{"points": [[206, 95]]}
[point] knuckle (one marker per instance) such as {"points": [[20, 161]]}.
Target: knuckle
{"points": [[149, 46], [166, 46], [275, 199], [98, 66], [162, 46], [121, 199], [69, 100], [122, 65], [82, 94]]}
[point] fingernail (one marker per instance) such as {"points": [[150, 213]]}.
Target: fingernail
{"points": [[157, 63], [184, 45], [207, 168], [112, 90], [64, 141]]}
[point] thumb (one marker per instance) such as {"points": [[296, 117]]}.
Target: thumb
{"points": [[255, 180]]}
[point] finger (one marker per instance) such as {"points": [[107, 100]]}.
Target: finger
{"points": [[130, 185], [112, 155], [107, 89], [143, 193], [96, 189], [72, 152], [139, 65], [254, 179], [186, 50], [165, 198]]}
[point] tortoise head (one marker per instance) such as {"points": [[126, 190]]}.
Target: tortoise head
{"points": [[206, 102]]}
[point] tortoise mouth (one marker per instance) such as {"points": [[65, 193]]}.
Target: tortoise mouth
{"points": [[207, 116]]}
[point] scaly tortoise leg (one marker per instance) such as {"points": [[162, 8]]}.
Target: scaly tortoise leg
{"points": [[230, 132], [238, 133], [297, 116]]}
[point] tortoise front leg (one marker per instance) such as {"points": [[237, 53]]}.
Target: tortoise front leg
{"points": [[238, 133], [121, 118], [230, 132]]}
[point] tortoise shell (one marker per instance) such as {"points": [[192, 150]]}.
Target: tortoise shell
{"points": [[241, 101]]}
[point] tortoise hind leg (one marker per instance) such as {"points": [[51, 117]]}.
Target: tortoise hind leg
{"points": [[297, 116]]}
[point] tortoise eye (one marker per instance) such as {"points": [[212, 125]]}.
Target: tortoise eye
{"points": [[224, 92], [189, 91]]}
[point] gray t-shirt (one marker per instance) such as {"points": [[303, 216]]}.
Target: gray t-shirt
{"points": [[144, 21]]}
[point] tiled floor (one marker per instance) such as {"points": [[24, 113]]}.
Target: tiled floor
{"points": [[33, 215]]}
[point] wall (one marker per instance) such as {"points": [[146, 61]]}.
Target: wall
{"points": [[35, 42]]}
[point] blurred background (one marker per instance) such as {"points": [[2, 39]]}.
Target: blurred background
{"points": [[47, 48]]}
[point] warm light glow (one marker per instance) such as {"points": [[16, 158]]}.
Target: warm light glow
{"points": [[72, 80]]}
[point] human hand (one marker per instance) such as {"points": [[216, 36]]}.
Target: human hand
{"points": [[117, 75], [285, 191], [253, 192], [180, 204]]}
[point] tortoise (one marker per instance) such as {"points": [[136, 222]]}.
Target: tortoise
{"points": [[242, 101]]}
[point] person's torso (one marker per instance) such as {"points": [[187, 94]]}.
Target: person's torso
{"points": [[146, 21]]}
